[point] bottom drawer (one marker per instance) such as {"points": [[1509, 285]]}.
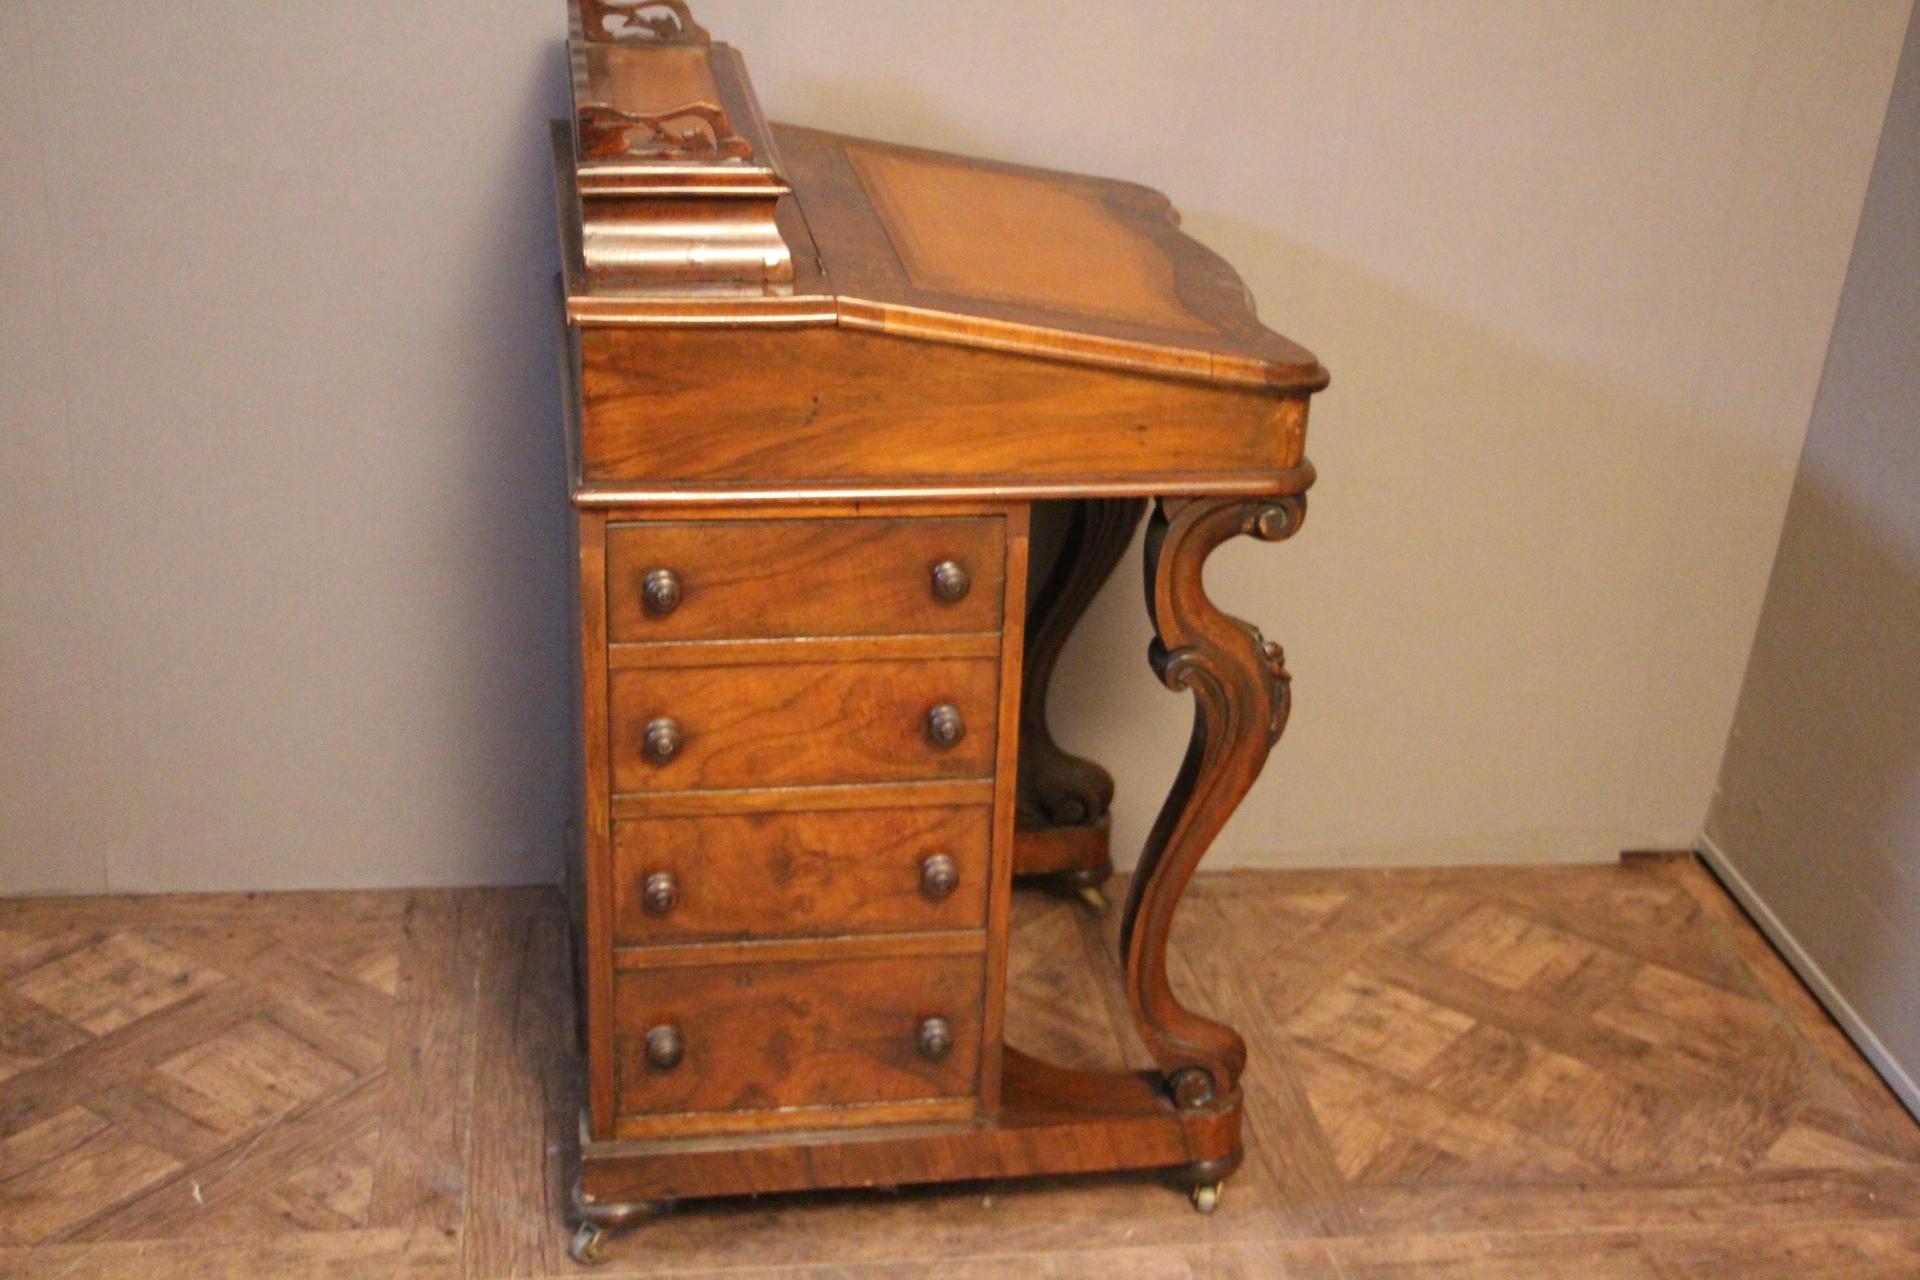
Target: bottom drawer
{"points": [[759, 1037]]}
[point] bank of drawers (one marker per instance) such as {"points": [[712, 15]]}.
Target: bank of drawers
{"points": [[803, 718]]}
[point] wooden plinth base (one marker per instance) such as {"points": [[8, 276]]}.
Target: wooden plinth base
{"points": [[1051, 1121], [1080, 856]]}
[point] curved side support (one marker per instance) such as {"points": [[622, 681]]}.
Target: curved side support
{"points": [[1056, 787], [1240, 686]]}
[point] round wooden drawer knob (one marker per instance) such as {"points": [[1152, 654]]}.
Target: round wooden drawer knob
{"points": [[951, 581], [939, 876], [663, 739], [665, 1048], [934, 1039], [660, 893], [945, 728], [660, 591]]}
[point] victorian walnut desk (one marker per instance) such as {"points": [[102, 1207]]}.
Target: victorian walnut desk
{"points": [[821, 387]]}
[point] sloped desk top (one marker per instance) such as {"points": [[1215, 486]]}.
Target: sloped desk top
{"points": [[949, 327], [946, 248]]}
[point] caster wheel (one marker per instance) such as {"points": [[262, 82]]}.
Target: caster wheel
{"points": [[587, 1243], [1096, 897], [1206, 1197]]}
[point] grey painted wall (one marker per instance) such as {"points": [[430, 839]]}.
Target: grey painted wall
{"points": [[1818, 810], [282, 558], [282, 552]]}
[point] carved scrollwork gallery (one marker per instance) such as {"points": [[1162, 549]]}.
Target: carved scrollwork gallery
{"points": [[1241, 698], [641, 21], [609, 133]]}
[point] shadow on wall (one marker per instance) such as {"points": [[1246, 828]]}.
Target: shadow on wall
{"points": [[1819, 804], [1515, 617]]}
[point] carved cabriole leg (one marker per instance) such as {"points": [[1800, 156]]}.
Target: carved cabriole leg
{"points": [[1064, 798], [1239, 683]]}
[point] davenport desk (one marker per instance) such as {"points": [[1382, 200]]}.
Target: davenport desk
{"points": [[822, 386]]}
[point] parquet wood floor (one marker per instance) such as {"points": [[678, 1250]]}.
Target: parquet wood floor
{"points": [[1495, 1073]]}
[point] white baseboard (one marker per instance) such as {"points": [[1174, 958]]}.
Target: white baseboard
{"points": [[1810, 972]]}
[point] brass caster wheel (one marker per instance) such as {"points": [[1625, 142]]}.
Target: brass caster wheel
{"points": [[1096, 897], [587, 1243], [1206, 1196]]}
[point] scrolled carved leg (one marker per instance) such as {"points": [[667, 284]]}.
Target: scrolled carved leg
{"points": [[1240, 686], [1064, 798]]}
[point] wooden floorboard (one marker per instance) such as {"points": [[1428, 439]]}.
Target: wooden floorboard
{"points": [[1491, 1073]]}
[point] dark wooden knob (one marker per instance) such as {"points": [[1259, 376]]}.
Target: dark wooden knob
{"points": [[660, 893], [660, 590], [665, 1048], [663, 739], [951, 581], [934, 1039], [939, 875], [945, 728]]}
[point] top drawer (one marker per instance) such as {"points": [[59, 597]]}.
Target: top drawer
{"points": [[752, 579]]}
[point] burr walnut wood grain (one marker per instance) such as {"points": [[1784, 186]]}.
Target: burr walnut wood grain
{"points": [[789, 578], [758, 875], [801, 723], [768, 1036]]}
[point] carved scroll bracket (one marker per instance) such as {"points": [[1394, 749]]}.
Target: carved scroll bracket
{"points": [[641, 21], [1241, 697], [608, 133], [1058, 788]]}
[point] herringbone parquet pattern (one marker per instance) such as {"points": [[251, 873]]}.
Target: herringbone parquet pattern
{"points": [[1490, 1072]]}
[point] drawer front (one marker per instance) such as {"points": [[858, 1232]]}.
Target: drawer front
{"points": [[755, 1037], [801, 723], [770, 875], [749, 579]]}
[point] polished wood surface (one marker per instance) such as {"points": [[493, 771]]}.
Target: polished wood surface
{"points": [[841, 796], [767, 888], [745, 875], [816, 490], [591, 880], [672, 182], [825, 411], [761, 1037], [802, 723], [1241, 694], [792, 578], [1591, 1072], [1051, 1121], [1064, 799], [1058, 788]]}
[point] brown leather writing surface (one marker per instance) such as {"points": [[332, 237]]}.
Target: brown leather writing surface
{"points": [[998, 235]]}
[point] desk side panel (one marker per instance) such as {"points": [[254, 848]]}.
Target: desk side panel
{"points": [[834, 407], [596, 854]]}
